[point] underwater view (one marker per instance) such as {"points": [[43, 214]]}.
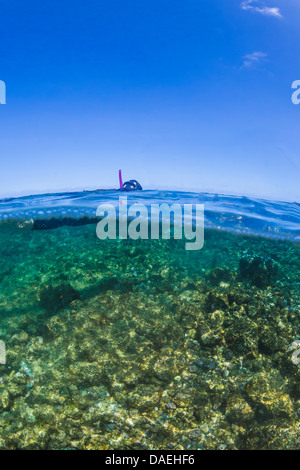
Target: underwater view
{"points": [[142, 344]]}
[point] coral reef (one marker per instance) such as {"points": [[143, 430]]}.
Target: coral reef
{"points": [[143, 345]]}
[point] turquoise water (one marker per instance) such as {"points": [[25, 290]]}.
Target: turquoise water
{"points": [[140, 344]]}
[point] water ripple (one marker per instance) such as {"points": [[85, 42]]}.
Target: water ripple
{"points": [[236, 214]]}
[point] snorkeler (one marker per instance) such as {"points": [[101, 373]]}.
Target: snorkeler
{"points": [[131, 185]]}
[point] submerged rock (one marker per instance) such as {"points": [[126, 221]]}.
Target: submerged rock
{"points": [[54, 299], [259, 271], [219, 275]]}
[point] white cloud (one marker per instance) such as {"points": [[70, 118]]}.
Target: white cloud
{"points": [[258, 7], [254, 59]]}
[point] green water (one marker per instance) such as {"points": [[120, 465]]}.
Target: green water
{"points": [[143, 345]]}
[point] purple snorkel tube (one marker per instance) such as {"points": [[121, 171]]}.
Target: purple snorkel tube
{"points": [[120, 179]]}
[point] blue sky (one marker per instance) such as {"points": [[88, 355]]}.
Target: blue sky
{"points": [[185, 95]]}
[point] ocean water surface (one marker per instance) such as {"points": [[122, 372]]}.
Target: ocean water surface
{"points": [[141, 344]]}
